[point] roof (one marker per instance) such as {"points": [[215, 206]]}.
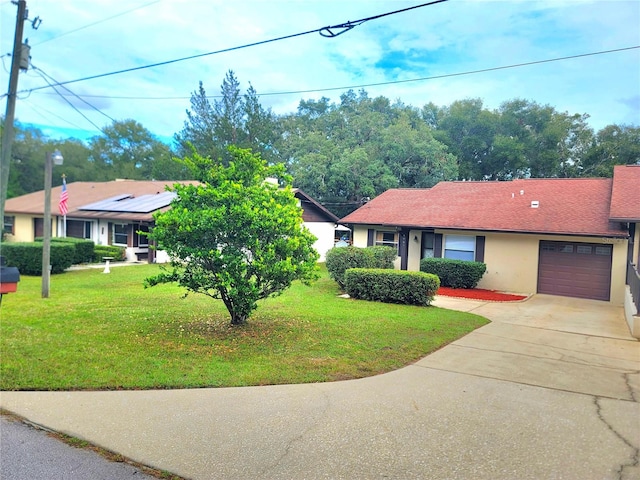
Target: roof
{"points": [[127, 200], [564, 206], [85, 199], [321, 209], [625, 198]]}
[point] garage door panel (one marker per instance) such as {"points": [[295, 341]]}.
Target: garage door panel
{"points": [[575, 269]]}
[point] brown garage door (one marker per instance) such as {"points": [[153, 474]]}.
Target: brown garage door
{"points": [[580, 270]]}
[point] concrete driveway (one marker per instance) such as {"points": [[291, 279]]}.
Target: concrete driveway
{"points": [[549, 389]]}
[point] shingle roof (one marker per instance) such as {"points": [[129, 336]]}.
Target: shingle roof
{"points": [[84, 193], [625, 198], [565, 206]]}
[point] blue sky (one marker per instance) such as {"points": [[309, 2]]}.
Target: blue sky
{"points": [[80, 39]]}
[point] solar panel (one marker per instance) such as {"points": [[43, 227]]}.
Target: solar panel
{"points": [[130, 204]]}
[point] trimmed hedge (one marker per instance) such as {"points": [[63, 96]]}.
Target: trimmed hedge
{"points": [[83, 248], [118, 253], [454, 273], [391, 286], [339, 259], [28, 257]]}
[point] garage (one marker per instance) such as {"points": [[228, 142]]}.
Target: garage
{"points": [[573, 269]]}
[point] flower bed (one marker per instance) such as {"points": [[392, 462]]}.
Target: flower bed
{"points": [[479, 294]]}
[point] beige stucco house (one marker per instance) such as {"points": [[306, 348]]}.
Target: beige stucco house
{"points": [[571, 237], [113, 213]]}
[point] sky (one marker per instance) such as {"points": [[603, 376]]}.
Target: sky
{"points": [[418, 56]]}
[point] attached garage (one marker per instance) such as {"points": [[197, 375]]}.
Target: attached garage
{"points": [[575, 269]]}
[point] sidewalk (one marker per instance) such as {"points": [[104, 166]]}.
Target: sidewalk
{"points": [[519, 398]]}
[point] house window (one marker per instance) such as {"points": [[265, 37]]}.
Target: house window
{"points": [[428, 245], [9, 222], [460, 247], [78, 229], [139, 239], [119, 234], [387, 238]]}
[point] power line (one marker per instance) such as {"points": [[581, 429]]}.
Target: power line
{"points": [[37, 110], [66, 100], [98, 22], [329, 31], [42, 72], [392, 82]]}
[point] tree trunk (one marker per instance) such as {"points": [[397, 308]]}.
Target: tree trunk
{"points": [[237, 319]]}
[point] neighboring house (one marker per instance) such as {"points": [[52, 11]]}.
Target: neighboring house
{"points": [[113, 213], [570, 237]]}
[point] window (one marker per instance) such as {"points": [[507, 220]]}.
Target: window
{"points": [[460, 247], [78, 229], [120, 234], [139, 239], [584, 249], [605, 250], [387, 238], [9, 222], [428, 244]]}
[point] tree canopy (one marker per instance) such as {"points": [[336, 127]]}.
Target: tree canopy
{"points": [[235, 236], [344, 153]]}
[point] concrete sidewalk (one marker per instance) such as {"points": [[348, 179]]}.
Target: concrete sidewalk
{"points": [[550, 389]]}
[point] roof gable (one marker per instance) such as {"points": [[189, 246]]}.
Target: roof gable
{"points": [[564, 206]]}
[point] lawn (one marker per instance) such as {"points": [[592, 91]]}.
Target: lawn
{"points": [[105, 331]]}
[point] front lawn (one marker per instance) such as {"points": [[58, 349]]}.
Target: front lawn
{"points": [[105, 331]]}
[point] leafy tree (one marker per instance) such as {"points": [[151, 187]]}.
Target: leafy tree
{"points": [[126, 150], [613, 145], [342, 154], [235, 236]]}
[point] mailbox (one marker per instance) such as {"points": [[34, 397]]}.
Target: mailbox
{"points": [[9, 277]]}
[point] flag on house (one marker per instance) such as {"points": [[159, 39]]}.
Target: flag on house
{"points": [[64, 196]]}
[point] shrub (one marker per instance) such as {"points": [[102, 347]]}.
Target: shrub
{"points": [[454, 273], [391, 286], [339, 259], [28, 257], [83, 248], [118, 253]]}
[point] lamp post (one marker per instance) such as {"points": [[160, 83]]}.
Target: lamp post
{"points": [[51, 158]]}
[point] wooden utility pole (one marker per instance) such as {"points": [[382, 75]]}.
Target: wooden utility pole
{"points": [[7, 133]]}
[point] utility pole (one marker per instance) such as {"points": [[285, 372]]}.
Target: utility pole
{"points": [[7, 133]]}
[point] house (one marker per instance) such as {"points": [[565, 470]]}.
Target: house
{"points": [[570, 237], [114, 213]]}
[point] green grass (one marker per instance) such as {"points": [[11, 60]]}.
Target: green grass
{"points": [[100, 331]]}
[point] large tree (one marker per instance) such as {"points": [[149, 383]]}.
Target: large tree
{"points": [[126, 149], [342, 154], [233, 119], [235, 236]]}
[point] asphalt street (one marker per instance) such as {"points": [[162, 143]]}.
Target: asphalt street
{"points": [[27, 453]]}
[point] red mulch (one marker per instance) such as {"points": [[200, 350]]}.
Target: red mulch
{"points": [[480, 294]]}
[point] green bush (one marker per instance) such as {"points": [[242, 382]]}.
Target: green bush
{"points": [[118, 253], [83, 248], [339, 259], [28, 257], [391, 286], [454, 273]]}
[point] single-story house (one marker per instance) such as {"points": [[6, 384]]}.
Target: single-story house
{"points": [[113, 213], [571, 237]]}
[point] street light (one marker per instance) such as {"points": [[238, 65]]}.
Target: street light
{"points": [[51, 158]]}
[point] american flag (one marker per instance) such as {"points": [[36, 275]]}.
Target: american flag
{"points": [[64, 196]]}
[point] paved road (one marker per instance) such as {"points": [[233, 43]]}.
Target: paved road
{"points": [[27, 453], [549, 389]]}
